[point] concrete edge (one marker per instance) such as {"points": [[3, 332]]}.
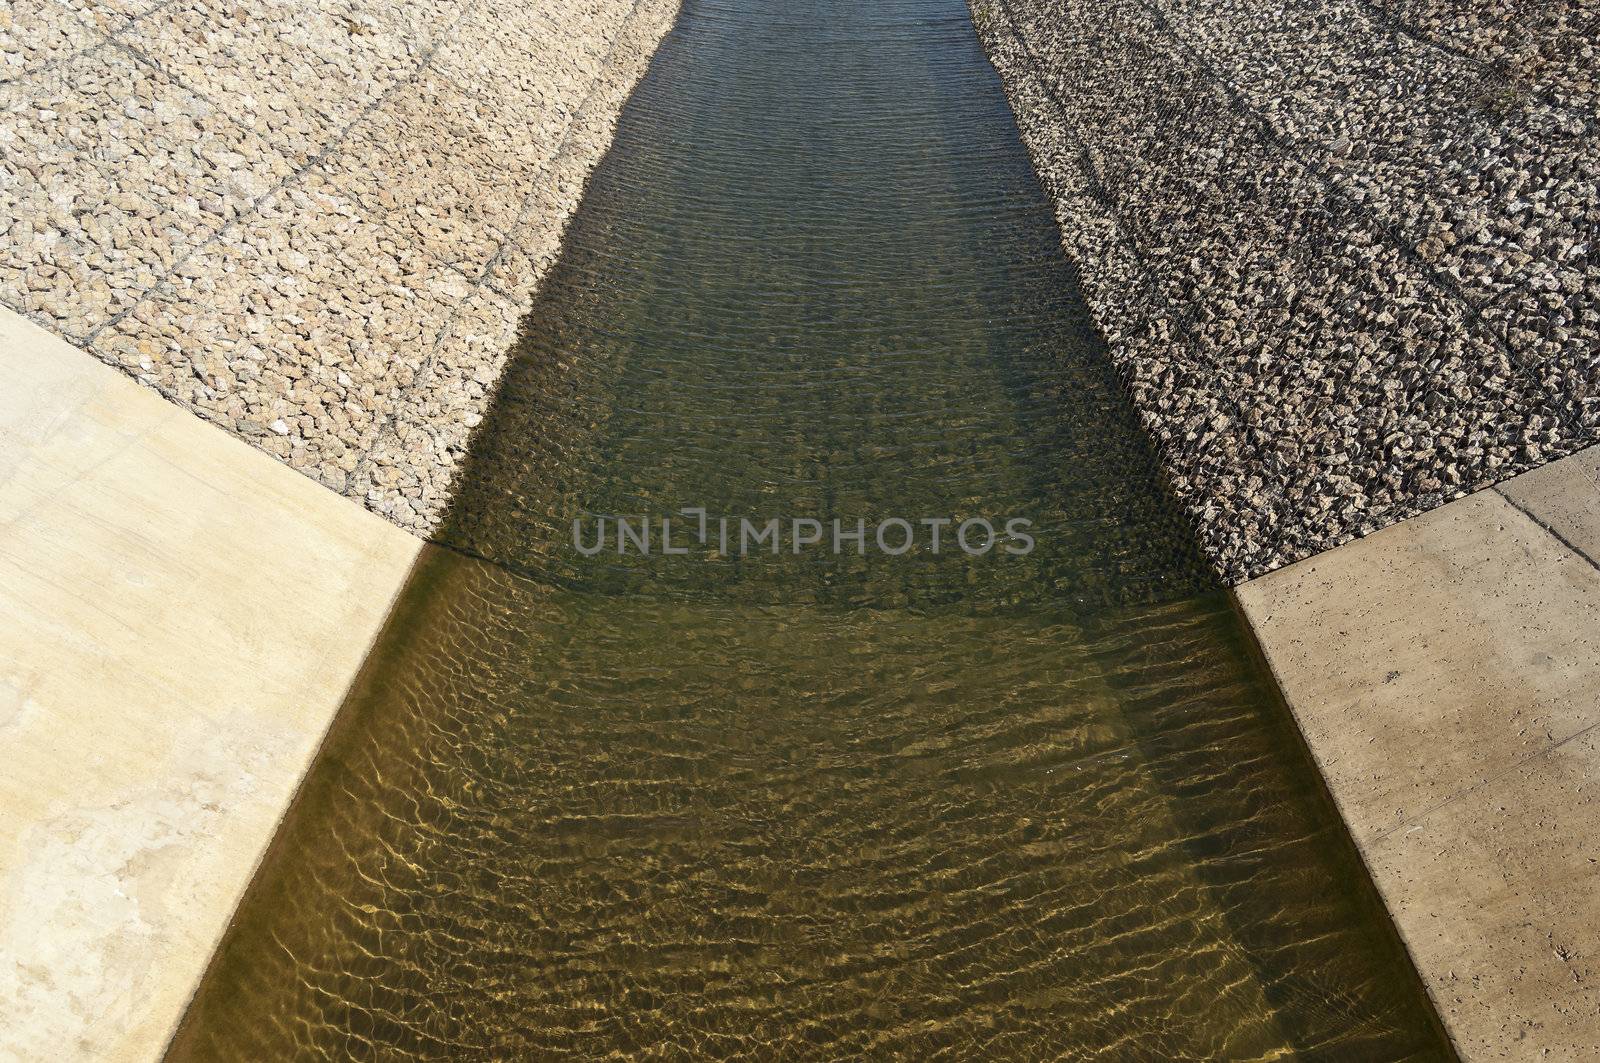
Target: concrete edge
{"points": [[1445, 674], [1381, 911], [293, 797], [185, 617]]}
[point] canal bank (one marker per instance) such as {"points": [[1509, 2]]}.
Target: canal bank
{"points": [[314, 225], [1341, 254], [1445, 673], [492, 671], [1347, 274], [182, 619], [829, 804]]}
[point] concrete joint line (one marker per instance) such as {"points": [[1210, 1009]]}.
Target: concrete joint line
{"points": [[1571, 546]]}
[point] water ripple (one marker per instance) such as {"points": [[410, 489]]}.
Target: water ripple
{"points": [[807, 806]]}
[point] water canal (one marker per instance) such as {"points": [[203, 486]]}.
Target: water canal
{"points": [[996, 804]]}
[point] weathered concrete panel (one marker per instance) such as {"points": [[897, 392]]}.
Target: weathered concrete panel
{"points": [[180, 616], [1446, 673]]}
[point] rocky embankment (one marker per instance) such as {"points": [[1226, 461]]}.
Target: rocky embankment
{"points": [[313, 222], [1343, 251]]}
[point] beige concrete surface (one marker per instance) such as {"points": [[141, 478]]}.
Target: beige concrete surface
{"points": [[1446, 674], [180, 616]]}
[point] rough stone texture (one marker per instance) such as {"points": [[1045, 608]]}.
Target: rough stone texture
{"points": [[1344, 254], [1445, 673], [313, 222]]}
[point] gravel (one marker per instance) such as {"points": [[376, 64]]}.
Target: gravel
{"points": [[315, 223], [1343, 253]]}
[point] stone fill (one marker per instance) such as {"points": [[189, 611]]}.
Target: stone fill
{"points": [[313, 222], [1343, 251]]}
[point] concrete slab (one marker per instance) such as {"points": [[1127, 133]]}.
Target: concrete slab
{"points": [[1446, 674], [180, 616]]}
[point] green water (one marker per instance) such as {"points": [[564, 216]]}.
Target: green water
{"points": [[811, 805]]}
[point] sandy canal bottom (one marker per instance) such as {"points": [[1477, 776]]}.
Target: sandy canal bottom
{"points": [[812, 805]]}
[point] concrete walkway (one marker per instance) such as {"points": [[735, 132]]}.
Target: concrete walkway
{"points": [[181, 617], [1446, 673]]}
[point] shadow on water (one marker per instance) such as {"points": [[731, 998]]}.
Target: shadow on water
{"points": [[812, 805]]}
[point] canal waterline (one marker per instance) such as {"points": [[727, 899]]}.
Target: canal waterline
{"points": [[812, 804]]}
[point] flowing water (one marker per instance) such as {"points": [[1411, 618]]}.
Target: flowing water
{"points": [[812, 805]]}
